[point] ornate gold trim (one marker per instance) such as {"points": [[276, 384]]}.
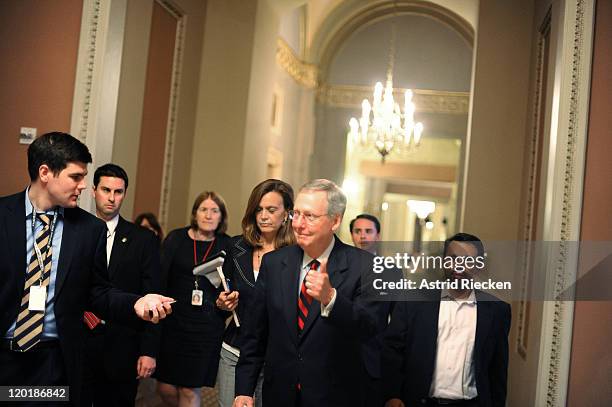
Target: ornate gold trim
{"points": [[426, 101], [83, 90], [557, 379], [177, 65], [303, 73], [569, 127]]}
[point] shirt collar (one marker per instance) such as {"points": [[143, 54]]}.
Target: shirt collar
{"points": [[471, 299], [323, 257], [29, 208], [112, 224]]}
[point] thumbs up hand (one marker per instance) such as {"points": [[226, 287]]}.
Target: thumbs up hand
{"points": [[318, 285]]}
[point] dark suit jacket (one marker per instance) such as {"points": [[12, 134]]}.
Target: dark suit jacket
{"points": [[82, 281], [325, 359], [134, 267], [238, 267], [409, 349]]}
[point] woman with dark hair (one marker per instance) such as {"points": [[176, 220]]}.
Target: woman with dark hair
{"points": [[265, 227], [148, 221], [191, 341]]}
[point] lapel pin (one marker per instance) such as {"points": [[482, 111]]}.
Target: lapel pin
{"points": [[124, 240]]}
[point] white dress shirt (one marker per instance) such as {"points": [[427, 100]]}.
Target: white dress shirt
{"points": [[453, 376], [325, 310], [111, 225]]}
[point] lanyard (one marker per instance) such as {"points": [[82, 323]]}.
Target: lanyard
{"points": [[195, 257], [39, 255]]}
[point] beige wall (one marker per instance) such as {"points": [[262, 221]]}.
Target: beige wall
{"points": [[498, 121], [259, 106], [524, 366], [131, 90], [156, 111], [37, 76], [223, 95], [132, 95], [187, 113], [233, 133], [591, 361]]}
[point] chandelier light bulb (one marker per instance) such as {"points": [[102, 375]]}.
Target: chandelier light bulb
{"points": [[383, 125], [408, 96], [421, 208], [354, 124], [418, 132], [378, 89], [366, 109]]}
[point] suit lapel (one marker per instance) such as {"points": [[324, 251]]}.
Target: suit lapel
{"points": [[69, 241], [16, 236], [430, 316], [290, 275], [336, 267], [121, 241], [244, 261], [483, 325]]}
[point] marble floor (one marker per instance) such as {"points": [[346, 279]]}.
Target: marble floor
{"points": [[147, 397]]}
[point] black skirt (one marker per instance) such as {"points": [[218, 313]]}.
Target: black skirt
{"points": [[191, 335]]}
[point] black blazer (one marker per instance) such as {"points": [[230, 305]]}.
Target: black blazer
{"points": [[82, 280], [238, 267], [409, 350], [134, 267], [325, 359]]}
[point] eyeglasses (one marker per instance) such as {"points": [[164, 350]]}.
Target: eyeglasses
{"points": [[310, 217]]}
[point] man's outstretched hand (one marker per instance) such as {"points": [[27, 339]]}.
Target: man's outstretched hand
{"points": [[153, 307]]}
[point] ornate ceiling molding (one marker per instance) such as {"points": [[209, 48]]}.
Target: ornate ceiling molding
{"points": [[303, 73], [426, 101]]}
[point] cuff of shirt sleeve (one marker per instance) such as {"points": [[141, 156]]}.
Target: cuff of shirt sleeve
{"points": [[325, 310]]}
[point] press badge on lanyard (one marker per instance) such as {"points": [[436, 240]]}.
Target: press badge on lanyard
{"points": [[38, 293], [197, 295], [38, 297]]}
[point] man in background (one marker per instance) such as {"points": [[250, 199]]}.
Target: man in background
{"points": [[365, 232], [117, 354], [451, 346]]}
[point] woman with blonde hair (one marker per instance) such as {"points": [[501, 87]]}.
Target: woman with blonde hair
{"points": [[191, 339], [265, 227]]}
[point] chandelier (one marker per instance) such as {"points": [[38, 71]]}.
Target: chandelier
{"points": [[383, 124]]}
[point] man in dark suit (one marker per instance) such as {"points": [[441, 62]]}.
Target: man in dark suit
{"points": [[116, 354], [448, 347], [52, 260], [365, 233], [309, 319]]}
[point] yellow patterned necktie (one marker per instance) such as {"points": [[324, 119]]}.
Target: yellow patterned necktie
{"points": [[29, 327]]}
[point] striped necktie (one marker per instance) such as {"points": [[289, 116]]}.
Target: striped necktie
{"points": [[304, 299], [29, 326]]}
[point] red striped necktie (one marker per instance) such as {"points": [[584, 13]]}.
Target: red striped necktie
{"points": [[304, 299]]}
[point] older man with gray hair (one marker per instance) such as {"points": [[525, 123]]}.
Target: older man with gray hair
{"points": [[309, 315]]}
